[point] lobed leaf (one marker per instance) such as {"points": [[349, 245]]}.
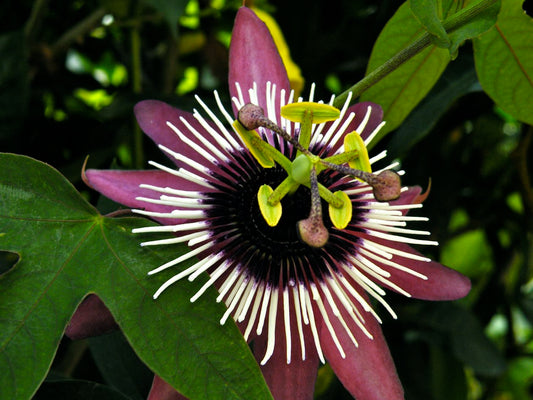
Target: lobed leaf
{"points": [[67, 250]]}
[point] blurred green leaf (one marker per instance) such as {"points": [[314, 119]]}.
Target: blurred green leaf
{"points": [[78, 390], [120, 366], [96, 99], [78, 63], [504, 61], [68, 250], [14, 83], [467, 338], [448, 380], [171, 10], [517, 382], [429, 14], [469, 253], [458, 79], [400, 91]]}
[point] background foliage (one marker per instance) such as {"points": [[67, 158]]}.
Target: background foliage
{"points": [[70, 74]]}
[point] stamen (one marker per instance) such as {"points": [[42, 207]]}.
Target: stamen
{"points": [[253, 117], [312, 230], [386, 185]]}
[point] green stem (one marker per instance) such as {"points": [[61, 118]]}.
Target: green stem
{"points": [[338, 159], [78, 31], [288, 185], [454, 22], [326, 194], [38, 10], [136, 74]]}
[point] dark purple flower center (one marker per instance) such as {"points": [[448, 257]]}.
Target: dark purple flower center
{"points": [[274, 253]]}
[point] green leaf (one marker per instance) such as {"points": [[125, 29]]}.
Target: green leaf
{"points": [[67, 250], [504, 61], [400, 91], [429, 14]]}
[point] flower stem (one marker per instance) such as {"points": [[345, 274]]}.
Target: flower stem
{"points": [[136, 73], [452, 23]]}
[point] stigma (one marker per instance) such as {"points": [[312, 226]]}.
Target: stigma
{"points": [[352, 162]]}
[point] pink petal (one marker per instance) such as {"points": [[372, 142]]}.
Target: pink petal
{"points": [[153, 115], [413, 195], [360, 110], [443, 283], [295, 381], [368, 371], [123, 187], [161, 390], [253, 57], [92, 318]]}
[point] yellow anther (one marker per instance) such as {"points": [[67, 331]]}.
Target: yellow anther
{"points": [[271, 213], [354, 142]]}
